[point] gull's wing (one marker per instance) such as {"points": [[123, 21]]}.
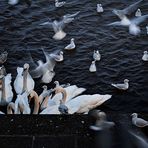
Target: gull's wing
{"points": [[118, 23], [36, 73], [46, 23], [71, 15], [139, 19], [131, 8]]}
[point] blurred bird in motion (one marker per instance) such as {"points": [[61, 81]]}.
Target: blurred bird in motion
{"points": [[58, 26], [44, 70]]}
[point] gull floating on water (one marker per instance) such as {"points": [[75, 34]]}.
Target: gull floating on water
{"points": [[3, 57], [99, 8], [92, 67], [96, 55], [59, 4], [58, 26], [138, 13], [123, 86], [57, 56], [128, 10], [145, 56], [71, 45], [139, 122], [132, 24], [101, 122]]}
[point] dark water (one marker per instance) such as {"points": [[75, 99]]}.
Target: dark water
{"points": [[121, 52]]}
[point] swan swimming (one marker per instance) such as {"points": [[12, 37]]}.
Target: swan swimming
{"points": [[123, 86], [71, 45], [138, 13], [99, 8], [139, 122], [145, 56], [92, 67], [23, 81]]}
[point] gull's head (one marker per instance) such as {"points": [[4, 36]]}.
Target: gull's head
{"points": [[93, 62], [99, 5], [56, 82], [44, 87], [26, 66], [145, 52], [61, 52], [97, 51], [134, 114], [126, 81], [72, 39]]}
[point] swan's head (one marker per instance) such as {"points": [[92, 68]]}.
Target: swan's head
{"points": [[134, 114], [44, 87], [56, 83], [31, 94], [97, 51], [126, 81], [93, 62], [145, 52], [26, 66]]}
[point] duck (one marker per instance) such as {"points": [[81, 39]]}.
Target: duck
{"points": [[59, 4], [92, 67], [123, 86], [145, 56], [80, 104], [101, 122], [71, 45], [58, 57], [96, 55], [99, 8], [139, 122], [23, 81], [6, 94], [3, 57], [138, 13]]}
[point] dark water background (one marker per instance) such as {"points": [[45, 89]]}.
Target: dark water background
{"points": [[121, 52]]}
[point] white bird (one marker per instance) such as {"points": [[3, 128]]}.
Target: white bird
{"points": [[58, 26], [146, 29], [79, 104], [145, 56], [138, 13], [6, 94], [71, 45], [101, 122], [23, 81], [44, 70], [92, 67], [99, 8], [59, 4], [132, 24], [123, 86], [96, 55], [58, 57], [139, 122], [13, 2], [128, 10]]}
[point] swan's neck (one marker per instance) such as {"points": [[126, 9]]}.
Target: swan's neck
{"points": [[36, 103], [3, 89], [64, 95], [25, 73], [45, 102], [11, 108]]}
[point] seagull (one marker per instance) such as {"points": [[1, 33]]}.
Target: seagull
{"points": [[101, 122], [139, 122], [58, 26], [59, 4], [96, 55], [145, 56], [128, 10], [3, 57], [92, 67], [123, 86], [71, 45], [99, 8], [138, 13], [132, 24], [57, 57], [44, 70]]}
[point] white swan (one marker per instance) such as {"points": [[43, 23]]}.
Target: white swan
{"points": [[145, 56], [99, 8], [80, 104], [71, 45], [23, 81], [92, 67], [96, 55], [123, 86], [138, 13], [6, 94]]}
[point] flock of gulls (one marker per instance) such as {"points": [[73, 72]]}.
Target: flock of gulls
{"points": [[63, 98]]}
